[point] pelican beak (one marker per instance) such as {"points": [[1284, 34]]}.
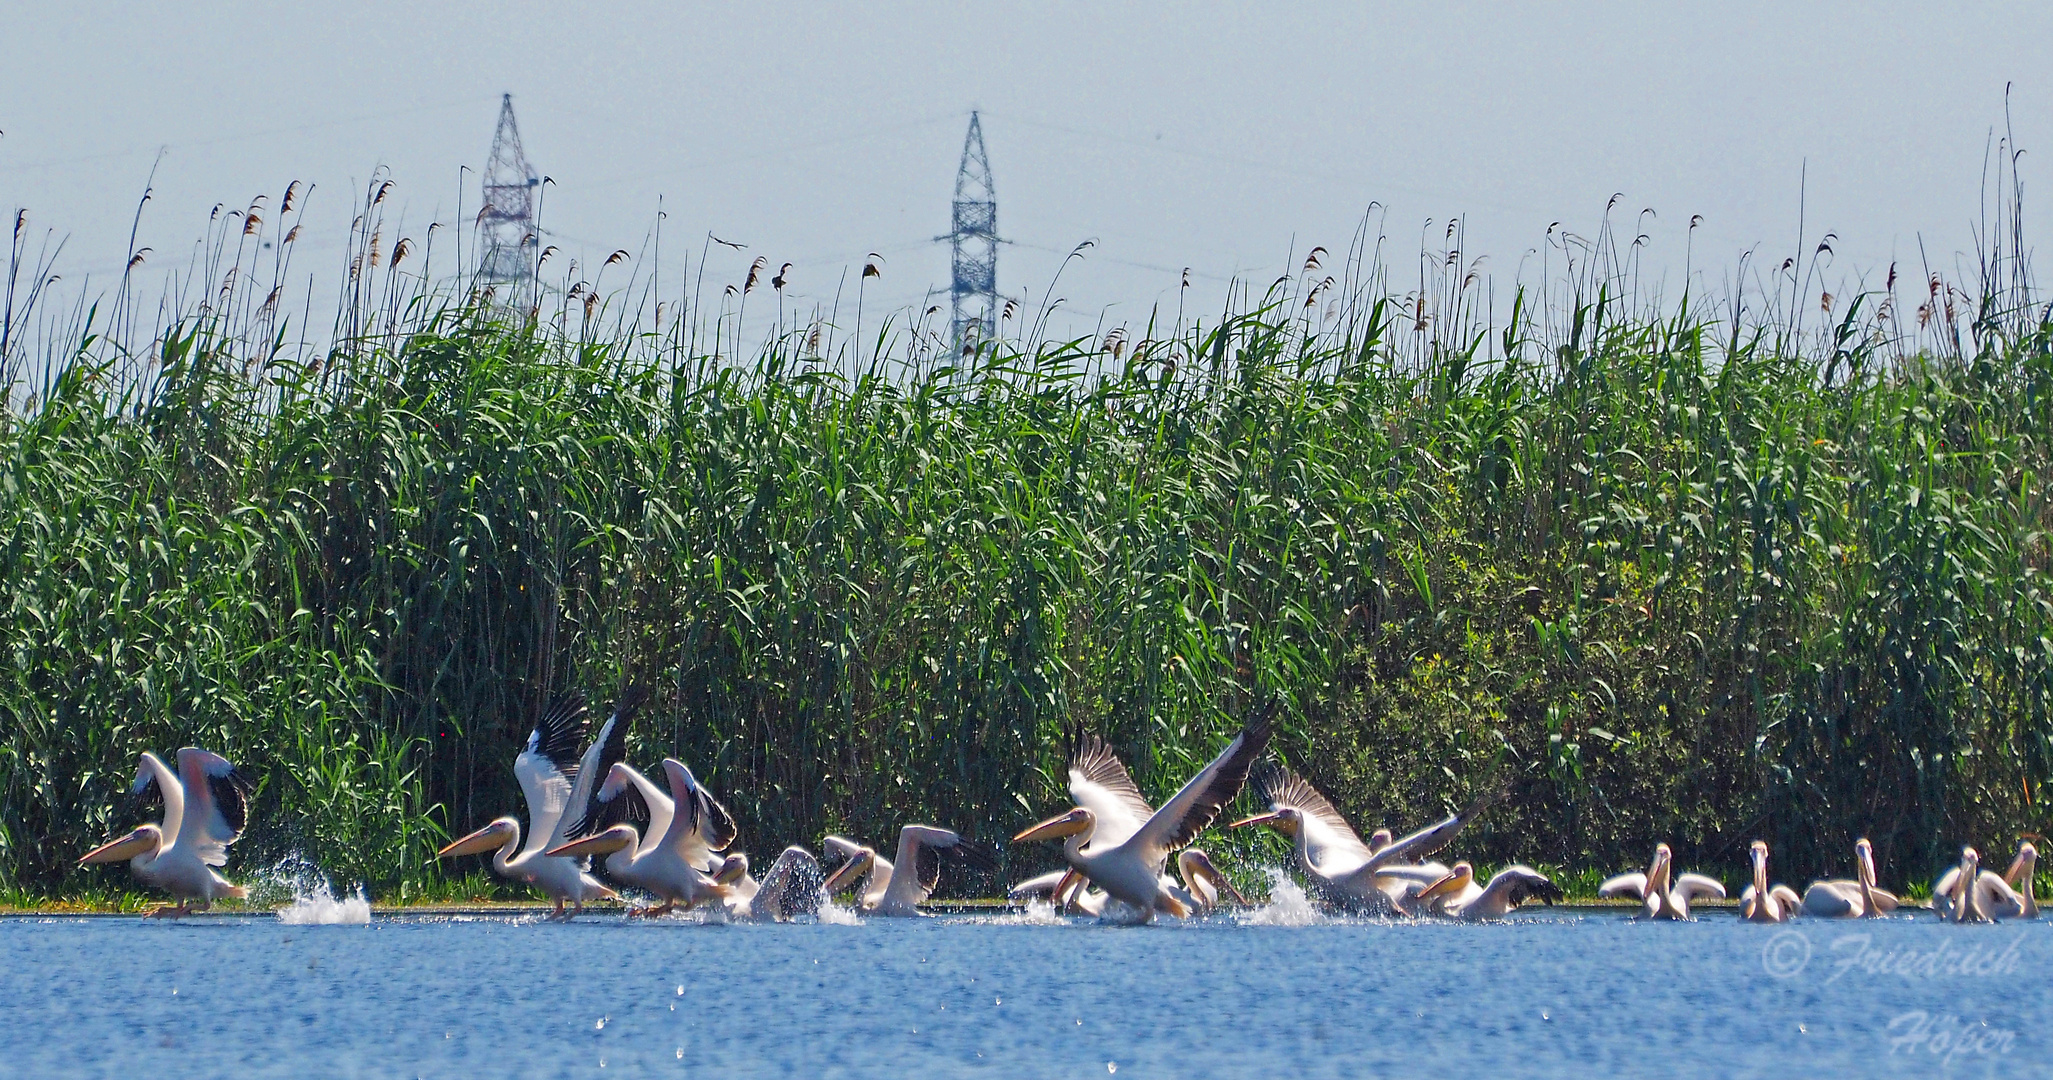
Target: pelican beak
{"points": [[121, 850], [850, 872], [732, 870], [604, 842], [1258, 819], [1054, 828], [489, 838], [1445, 885]]}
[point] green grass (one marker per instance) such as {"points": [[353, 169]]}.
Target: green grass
{"points": [[1656, 573]]}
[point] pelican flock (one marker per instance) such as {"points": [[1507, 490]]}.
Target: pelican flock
{"points": [[677, 844]]}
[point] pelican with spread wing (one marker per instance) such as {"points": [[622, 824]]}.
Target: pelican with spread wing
{"points": [[553, 779], [1764, 903], [665, 843], [206, 805], [887, 889], [1203, 888], [1457, 896], [1343, 871], [1666, 894], [1125, 850]]}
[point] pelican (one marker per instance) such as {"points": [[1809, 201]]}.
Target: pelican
{"points": [[888, 891], [1856, 898], [1345, 872], [876, 868], [1130, 869], [1457, 895], [2021, 876], [1761, 902], [791, 888], [1968, 893], [1667, 894], [675, 858], [1201, 888], [206, 805], [552, 780]]}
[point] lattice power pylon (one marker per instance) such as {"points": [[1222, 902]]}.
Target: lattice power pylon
{"points": [[507, 240], [974, 242]]}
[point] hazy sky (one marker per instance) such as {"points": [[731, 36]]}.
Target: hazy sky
{"points": [[1210, 136]]}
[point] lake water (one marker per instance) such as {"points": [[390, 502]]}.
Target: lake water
{"points": [[1546, 994]]}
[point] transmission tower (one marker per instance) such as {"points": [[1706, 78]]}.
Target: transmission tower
{"points": [[506, 225], [974, 242]]}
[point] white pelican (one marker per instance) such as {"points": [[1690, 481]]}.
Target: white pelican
{"points": [[1131, 869], [2021, 876], [684, 829], [1855, 898], [1764, 903], [553, 780], [877, 870], [793, 886], [896, 893], [1667, 895], [1201, 888], [1968, 893], [206, 805], [1343, 871], [1457, 895]]}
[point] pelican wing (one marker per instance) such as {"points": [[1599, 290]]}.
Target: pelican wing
{"points": [[1099, 782], [1698, 887], [216, 804], [609, 748], [1521, 883], [1633, 885], [841, 848], [1333, 845], [1038, 887], [791, 888], [548, 768], [1190, 810], [699, 825], [1432, 838], [926, 848]]}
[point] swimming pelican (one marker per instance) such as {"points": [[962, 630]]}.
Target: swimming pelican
{"points": [[675, 858], [1967, 893], [895, 893], [1667, 894], [1131, 869], [1457, 895], [793, 887], [1761, 902], [1855, 898], [206, 805], [552, 780], [2021, 876], [1343, 871]]}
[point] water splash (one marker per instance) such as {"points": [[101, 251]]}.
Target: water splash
{"points": [[306, 895], [1288, 905], [833, 914]]}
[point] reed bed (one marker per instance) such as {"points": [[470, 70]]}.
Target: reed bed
{"points": [[1656, 571]]}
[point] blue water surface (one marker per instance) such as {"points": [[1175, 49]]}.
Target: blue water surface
{"points": [[1548, 994]]}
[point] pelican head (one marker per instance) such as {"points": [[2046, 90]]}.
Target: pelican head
{"points": [[142, 841], [1864, 861], [1055, 828], [1757, 853], [501, 832], [733, 869], [1288, 820], [1457, 879], [850, 872], [603, 842], [1381, 839], [1197, 869]]}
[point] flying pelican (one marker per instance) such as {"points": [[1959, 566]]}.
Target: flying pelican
{"points": [[552, 780], [889, 891], [206, 805], [675, 857], [793, 886], [1855, 898], [1131, 869], [1201, 888], [1345, 872], [1967, 893], [1761, 902], [1457, 895], [1667, 894]]}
